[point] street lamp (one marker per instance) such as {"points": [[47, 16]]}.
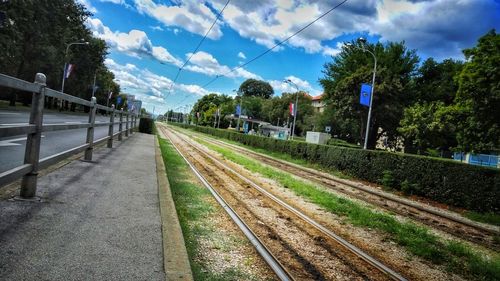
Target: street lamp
{"points": [[238, 92], [295, 109], [66, 64], [362, 41]]}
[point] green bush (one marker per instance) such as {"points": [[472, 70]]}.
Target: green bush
{"points": [[443, 180], [146, 125], [388, 180]]}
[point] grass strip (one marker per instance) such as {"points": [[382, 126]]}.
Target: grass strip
{"points": [[277, 155], [456, 256], [490, 218], [195, 212]]}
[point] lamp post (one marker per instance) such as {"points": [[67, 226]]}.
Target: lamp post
{"points": [[295, 108], [364, 49], [66, 63], [241, 109]]}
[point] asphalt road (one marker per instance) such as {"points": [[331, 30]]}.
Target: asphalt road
{"points": [[12, 148]]}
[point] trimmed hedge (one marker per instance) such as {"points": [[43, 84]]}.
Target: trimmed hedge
{"points": [[146, 125], [443, 180]]}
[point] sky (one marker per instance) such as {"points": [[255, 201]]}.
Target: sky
{"points": [[150, 40]]}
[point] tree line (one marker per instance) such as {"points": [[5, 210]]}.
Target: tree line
{"points": [[34, 37], [426, 107]]}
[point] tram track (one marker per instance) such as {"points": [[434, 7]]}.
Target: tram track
{"points": [[305, 249], [453, 225]]}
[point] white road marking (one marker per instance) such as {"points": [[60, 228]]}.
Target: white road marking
{"points": [[14, 124], [11, 141], [9, 113]]}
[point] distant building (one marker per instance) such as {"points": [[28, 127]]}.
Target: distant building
{"points": [[318, 104]]}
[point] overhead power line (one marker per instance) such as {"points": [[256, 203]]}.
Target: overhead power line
{"points": [[276, 45], [196, 49]]}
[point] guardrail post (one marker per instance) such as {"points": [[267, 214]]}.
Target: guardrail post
{"points": [[127, 125], [131, 124], [90, 130], [111, 126], [121, 125], [32, 152]]}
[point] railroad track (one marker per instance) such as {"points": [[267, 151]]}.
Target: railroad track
{"points": [[454, 225], [294, 245]]}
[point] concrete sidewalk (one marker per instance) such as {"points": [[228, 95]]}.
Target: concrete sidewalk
{"points": [[96, 221]]}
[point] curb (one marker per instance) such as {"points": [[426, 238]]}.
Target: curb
{"points": [[175, 257]]}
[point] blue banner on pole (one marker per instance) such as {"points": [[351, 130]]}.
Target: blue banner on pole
{"points": [[364, 96], [118, 100], [238, 110]]}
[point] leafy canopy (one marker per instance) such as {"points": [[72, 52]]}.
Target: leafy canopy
{"points": [[393, 89], [256, 88]]}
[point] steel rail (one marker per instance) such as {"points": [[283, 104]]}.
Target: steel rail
{"points": [[365, 189], [268, 257], [350, 247]]}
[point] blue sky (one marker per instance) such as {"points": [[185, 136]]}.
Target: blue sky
{"points": [[150, 39]]}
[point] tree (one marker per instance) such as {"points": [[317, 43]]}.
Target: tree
{"points": [[393, 89], [278, 108], [437, 81], [35, 39], [207, 106], [478, 96], [429, 126], [256, 88]]}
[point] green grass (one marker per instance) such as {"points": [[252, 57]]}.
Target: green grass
{"points": [[418, 240], [277, 155], [195, 213], [490, 218]]}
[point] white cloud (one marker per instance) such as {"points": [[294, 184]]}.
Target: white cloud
{"points": [[88, 5], [118, 2], [193, 16], [440, 28], [269, 23], [303, 85], [156, 28], [135, 43], [435, 27], [241, 55], [147, 85], [328, 51], [203, 62]]}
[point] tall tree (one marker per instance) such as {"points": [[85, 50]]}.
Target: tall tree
{"points": [[256, 88], [393, 89], [35, 37], [479, 96], [437, 81]]}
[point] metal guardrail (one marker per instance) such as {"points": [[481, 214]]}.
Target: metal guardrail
{"points": [[32, 162]]}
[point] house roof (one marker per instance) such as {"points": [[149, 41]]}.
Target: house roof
{"points": [[317, 97]]}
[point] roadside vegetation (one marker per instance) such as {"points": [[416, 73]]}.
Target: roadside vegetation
{"points": [[196, 210], [457, 257], [490, 218]]}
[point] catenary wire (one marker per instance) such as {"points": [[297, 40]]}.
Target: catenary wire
{"points": [[276, 45], [196, 49]]}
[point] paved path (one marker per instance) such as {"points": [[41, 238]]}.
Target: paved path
{"points": [[96, 221]]}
